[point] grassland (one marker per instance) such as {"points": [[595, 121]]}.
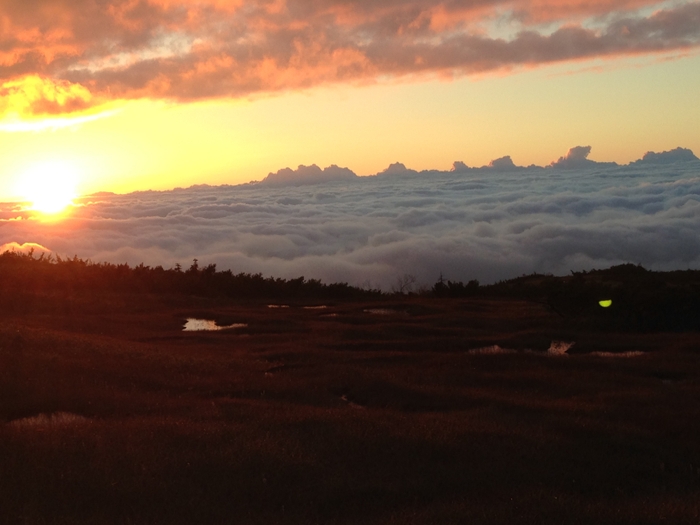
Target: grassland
{"points": [[373, 410]]}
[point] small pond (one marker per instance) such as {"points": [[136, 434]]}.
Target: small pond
{"points": [[199, 325], [380, 311]]}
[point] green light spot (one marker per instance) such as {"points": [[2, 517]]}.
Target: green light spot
{"points": [[605, 303]]}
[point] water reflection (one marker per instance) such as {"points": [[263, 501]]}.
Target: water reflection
{"points": [[559, 347], [380, 311], [633, 353], [198, 325], [49, 420], [493, 349], [556, 348]]}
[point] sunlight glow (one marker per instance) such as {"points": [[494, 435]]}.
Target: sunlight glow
{"points": [[13, 123], [49, 186]]}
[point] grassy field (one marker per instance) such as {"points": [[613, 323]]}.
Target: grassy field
{"points": [[407, 410]]}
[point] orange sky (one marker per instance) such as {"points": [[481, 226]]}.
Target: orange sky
{"points": [[129, 95]]}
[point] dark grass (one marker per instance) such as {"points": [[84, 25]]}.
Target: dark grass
{"points": [[359, 418]]}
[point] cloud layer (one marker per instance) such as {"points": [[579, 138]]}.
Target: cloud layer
{"points": [[484, 224], [85, 52]]}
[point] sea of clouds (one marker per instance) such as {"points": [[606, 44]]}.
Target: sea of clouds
{"points": [[489, 223]]}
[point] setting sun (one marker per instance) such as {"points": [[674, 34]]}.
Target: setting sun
{"points": [[49, 186]]}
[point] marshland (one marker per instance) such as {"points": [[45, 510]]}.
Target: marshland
{"points": [[520, 402]]}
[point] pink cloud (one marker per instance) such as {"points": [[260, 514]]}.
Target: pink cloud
{"points": [[215, 48]]}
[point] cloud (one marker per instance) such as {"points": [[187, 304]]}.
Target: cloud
{"points": [[26, 247], [40, 96], [503, 163], [668, 157], [577, 158], [308, 175], [468, 224], [33, 103], [128, 49], [397, 168]]}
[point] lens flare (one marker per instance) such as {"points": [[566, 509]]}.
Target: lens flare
{"points": [[605, 303]]}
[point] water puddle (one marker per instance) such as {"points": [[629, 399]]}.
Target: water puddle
{"points": [[380, 311], [57, 419], [199, 325], [617, 354], [559, 347], [351, 404], [320, 307], [278, 306], [556, 348], [492, 350]]}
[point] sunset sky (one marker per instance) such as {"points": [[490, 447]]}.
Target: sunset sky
{"points": [[124, 95]]}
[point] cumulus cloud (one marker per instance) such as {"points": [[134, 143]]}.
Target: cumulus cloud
{"points": [[503, 163], [458, 165], [577, 158], [396, 169], [669, 157], [308, 175], [468, 224], [125, 49]]}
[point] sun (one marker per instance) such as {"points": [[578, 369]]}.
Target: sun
{"points": [[50, 186]]}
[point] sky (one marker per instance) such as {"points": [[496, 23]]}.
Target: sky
{"points": [[366, 123], [127, 95]]}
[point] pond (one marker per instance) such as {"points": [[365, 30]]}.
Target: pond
{"points": [[380, 311], [199, 325]]}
